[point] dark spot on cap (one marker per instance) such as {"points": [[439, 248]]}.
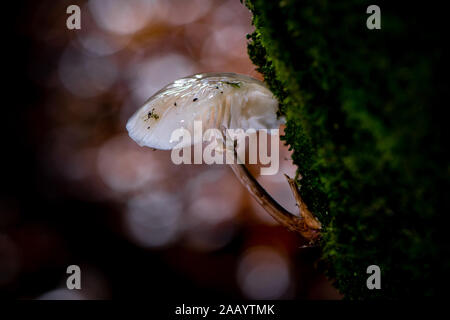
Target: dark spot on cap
{"points": [[152, 114]]}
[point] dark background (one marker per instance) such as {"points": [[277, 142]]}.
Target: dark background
{"points": [[49, 220]]}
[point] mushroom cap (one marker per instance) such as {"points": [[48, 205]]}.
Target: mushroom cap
{"points": [[219, 100]]}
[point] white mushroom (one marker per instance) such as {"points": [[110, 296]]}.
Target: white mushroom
{"points": [[218, 100], [221, 101]]}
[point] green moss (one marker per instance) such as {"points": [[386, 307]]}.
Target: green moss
{"points": [[365, 121]]}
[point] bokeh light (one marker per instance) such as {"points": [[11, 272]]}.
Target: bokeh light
{"points": [[123, 17], [86, 76], [153, 219], [123, 167], [264, 273], [150, 75], [215, 200]]}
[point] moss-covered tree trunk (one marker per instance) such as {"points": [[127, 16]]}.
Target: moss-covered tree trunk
{"points": [[365, 119]]}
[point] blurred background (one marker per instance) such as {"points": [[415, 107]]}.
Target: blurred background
{"points": [[77, 190]]}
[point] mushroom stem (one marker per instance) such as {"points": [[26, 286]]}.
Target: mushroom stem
{"points": [[306, 225]]}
